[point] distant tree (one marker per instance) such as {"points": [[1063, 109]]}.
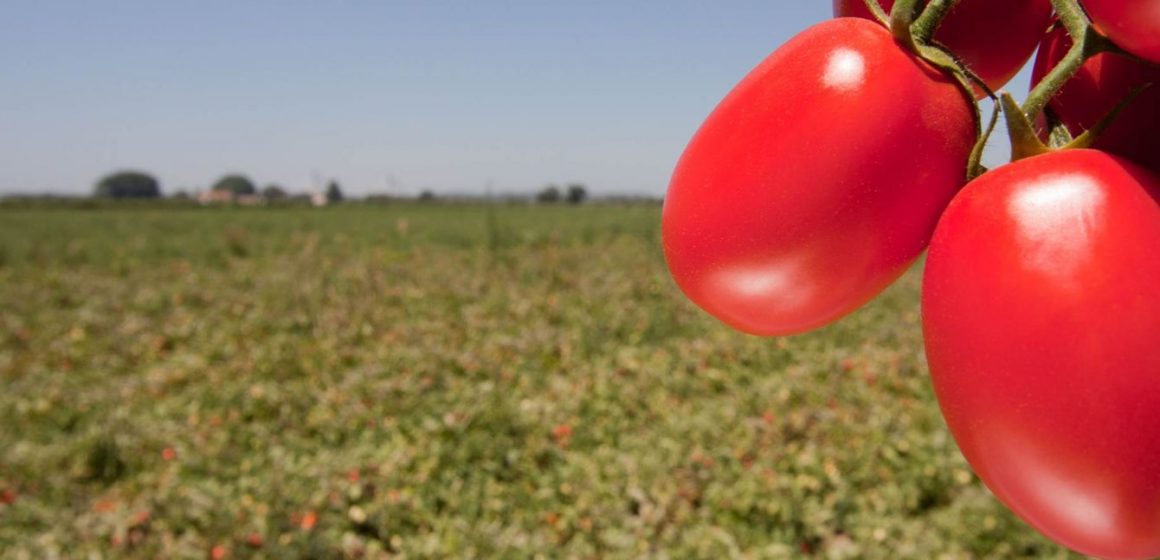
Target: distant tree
{"points": [[550, 195], [237, 184], [333, 192], [427, 195], [128, 184], [181, 195], [576, 193], [273, 192]]}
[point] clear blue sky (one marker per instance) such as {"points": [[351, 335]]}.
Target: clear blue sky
{"points": [[435, 94]]}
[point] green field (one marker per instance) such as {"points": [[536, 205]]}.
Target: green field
{"points": [[448, 382]]}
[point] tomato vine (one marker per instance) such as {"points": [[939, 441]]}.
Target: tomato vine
{"points": [[914, 23], [834, 163]]}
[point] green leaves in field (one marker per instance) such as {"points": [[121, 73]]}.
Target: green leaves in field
{"points": [[447, 382]]}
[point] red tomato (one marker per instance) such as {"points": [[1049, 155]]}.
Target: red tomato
{"points": [[1101, 83], [1131, 24], [993, 37], [1040, 312], [816, 181]]}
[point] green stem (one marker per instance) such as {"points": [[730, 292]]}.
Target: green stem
{"points": [[927, 23], [915, 35], [1072, 16], [901, 17], [1024, 141], [1088, 138], [1058, 134], [975, 163], [1054, 80], [876, 9], [1086, 43]]}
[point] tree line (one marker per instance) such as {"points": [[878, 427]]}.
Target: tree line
{"points": [[574, 194], [139, 185]]}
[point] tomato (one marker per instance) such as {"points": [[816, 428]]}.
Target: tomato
{"points": [[993, 37], [816, 181], [1102, 83], [1134, 25], [1040, 313]]}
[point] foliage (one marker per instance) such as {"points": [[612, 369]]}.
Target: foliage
{"points": [[577, 194], [273, 192], [128, 184], [333, 192], [550, 195], [394, 381], [237, 184]]}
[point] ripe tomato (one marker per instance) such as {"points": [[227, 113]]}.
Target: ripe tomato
{"points": [[1011, 31], [1131, 24], [816, 181], [1101, 84], [1040, 312]]}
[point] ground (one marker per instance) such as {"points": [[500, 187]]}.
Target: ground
{"points": [[424, 381]]}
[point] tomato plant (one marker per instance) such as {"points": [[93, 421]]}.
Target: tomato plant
{"points": [[1101, 83], [1013, 30], [1040, 313], [816, 181], [1133, 24]]}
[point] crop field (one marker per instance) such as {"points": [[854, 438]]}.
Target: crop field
{"points": [[436, 381]]}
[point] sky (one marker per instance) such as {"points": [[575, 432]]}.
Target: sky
{"points": [[384, 96]]}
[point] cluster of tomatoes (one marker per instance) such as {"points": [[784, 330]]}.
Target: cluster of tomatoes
{"points": [[827, 170]]}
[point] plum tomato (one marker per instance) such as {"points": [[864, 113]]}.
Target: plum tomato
{"points": [[1100, 84], [1134, 25], [993, 37], [1040, 311], [816, 181]]}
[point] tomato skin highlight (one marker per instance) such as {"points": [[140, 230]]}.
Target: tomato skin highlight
{"points": [[1134, 25], [816, 181], [1040, 313], [995, 38], [1101, 83]]}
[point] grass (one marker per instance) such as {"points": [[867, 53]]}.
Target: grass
{"points": [[448, 381]]}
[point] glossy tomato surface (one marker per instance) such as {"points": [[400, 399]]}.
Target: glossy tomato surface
{"points": [[816, 181], [1041, 310], [1100, 84], [993, 37], [1134, 25]]}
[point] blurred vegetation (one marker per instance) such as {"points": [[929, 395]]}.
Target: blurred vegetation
{"points": [[128, 184], [237, 184], [577, 193], [333, 192], [549, 195], [274, 192], [428, 381]]}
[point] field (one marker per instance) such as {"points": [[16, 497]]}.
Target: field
{"points": [[417, 381]]}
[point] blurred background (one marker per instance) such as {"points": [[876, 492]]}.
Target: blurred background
{"points": [[390, 286], [386, 97]]}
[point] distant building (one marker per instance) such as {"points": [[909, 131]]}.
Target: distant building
{"points": [[226, 197], [215, 197], [229, 197], [249, 200]]}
